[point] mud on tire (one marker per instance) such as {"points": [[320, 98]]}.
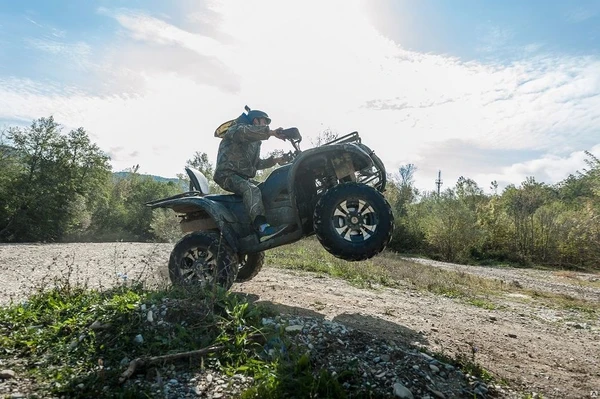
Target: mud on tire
{"points": [[249, 266], [201, 259], [353, 221]]}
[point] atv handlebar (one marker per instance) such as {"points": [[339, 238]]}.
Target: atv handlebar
{"points": [[292, 135]]}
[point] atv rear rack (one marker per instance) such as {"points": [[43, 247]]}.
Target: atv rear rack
{"points": [[182, 195]]}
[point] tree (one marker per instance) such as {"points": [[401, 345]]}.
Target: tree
{"points": [[450, 227], [10, 167], [55, 172], [324, 137], [470, 193], [123, 215], [521, 204], [406, 236], [200, 162], [407, 192]]}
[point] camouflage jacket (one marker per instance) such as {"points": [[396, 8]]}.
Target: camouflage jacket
{"points": [[239, 152]]}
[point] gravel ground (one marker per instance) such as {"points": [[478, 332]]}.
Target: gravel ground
{"points": [[381, 331]]}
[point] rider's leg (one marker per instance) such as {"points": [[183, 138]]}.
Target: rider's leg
{"points": [[254, 205], [250, 193]]}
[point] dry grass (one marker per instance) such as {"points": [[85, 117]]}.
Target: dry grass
{"points": [[390, 270]]}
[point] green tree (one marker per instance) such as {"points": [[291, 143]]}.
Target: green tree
{"points": [[407, 237], [521, 204], [122, 215], [56, 176], [200, 162], [450, 227]]}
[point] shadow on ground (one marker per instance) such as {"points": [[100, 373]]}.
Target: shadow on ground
{"points": [[381, 328]]}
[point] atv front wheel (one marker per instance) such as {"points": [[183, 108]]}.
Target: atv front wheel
{"points": [[353, 221], [202, 259], [249, 266]]}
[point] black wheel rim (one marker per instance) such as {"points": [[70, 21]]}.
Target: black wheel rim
{"points": [[355, 220], [198, 266]]}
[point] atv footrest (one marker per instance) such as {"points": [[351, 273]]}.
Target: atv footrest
{"points": [[248, 241]]}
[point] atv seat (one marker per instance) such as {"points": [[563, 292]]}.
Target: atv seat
{"points": [[224, 197]]}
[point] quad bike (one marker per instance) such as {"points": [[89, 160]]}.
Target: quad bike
{"points": [[333, 191]]}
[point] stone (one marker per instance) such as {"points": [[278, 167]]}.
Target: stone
{"points": [[434, 368], [436, 393], [400, 391], [7, 374], [296, 328]]}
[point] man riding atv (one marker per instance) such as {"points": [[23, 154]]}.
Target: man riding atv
{"points": [[239, 159], [333, 191]]}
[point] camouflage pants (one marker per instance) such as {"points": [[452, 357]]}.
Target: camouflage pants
{"points": [[249, 192]]}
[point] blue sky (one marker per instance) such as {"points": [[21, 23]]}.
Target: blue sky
{"points": [[492, 90]]}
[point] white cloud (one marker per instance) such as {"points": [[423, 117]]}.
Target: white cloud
{"points": [[549, 169], [580, 14], [77, 53], [318, 65]]}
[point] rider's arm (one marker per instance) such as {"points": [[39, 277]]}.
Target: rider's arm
{"points": [[266, 163], [243, 133]]}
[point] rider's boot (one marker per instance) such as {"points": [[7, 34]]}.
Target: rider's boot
{"points": [[265, 230]]}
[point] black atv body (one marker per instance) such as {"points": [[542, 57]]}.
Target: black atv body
{"points": [[333, 191]]}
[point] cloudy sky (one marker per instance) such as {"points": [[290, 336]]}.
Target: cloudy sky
{"points": [[491, 90]]}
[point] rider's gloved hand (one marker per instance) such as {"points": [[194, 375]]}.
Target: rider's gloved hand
{"points": [[277, 133]]}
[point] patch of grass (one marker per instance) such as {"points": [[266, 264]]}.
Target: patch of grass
{"points": [[76, 342], [533, 395], [467, 363], [390, 270], [565, 301], [387, 269], [482, 303], [310, 256]]}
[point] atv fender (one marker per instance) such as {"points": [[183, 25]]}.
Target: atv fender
{"points": [[221, 216], [340, 154]]}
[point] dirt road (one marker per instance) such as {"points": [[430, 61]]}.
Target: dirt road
{"points": [[535, 348]]}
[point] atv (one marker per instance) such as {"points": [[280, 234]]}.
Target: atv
{"points": [[333, 191]]}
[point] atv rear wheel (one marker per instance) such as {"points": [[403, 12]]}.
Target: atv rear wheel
{"points": [[249, 266], [353, 221], [202, 259]]}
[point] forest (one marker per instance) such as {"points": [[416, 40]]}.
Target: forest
{"points": [[58, 186]]}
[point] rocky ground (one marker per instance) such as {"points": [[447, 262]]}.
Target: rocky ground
{"points": [[526, 346]]}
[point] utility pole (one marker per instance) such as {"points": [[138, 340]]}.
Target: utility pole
{"points": [[439, 182]]}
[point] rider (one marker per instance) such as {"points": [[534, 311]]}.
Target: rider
{"points": [[239, 159]]}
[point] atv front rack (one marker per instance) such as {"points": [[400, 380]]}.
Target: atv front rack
{"points": [[349, 138]]}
